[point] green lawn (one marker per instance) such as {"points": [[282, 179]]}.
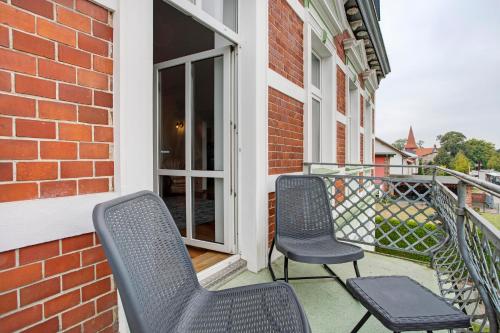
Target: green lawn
{"points": [[493, 218]]}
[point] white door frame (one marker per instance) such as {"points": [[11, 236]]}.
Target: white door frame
{"points": [[228, 144]]}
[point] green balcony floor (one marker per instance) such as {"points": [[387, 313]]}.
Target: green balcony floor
{"points": [[328, 306]]}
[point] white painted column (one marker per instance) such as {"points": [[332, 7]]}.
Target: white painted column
{"points": [[133, 102], [252, 129], [133, 95]]}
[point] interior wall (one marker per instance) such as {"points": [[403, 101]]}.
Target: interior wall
{"points": [[176, 35]]}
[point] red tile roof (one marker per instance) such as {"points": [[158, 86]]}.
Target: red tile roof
{"points": [[424, 151]]}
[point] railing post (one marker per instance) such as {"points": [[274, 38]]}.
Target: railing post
{"points": [[466, 256]]}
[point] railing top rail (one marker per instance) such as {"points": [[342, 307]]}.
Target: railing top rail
{"points": [[483, 185], [492, 233]]}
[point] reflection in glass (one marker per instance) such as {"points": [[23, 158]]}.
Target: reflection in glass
{"points": [[173, 193], [172, 118], [207, 116], [208, 209], [316, 130], [315, 71]]}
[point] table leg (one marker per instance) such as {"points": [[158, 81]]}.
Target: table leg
{"points": [[361, 322]]}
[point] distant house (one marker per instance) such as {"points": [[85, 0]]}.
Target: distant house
{"points": [[392, 158], [426, 155]]}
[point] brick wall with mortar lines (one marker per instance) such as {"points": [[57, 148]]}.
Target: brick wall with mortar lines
{"points": [[339, 44], [362, 148], [286, 42], [341, 143], [56, 135], [64, 285], [272, 216], [361, 111], [285, 114], [285, 133], [341, 86]]}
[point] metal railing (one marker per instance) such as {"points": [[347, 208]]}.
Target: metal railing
{"points": [[423, 219]]}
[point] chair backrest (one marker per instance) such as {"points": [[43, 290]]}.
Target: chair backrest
{"points": [[302, 207], [150, 263]]}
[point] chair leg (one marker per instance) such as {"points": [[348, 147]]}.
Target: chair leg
{"points": [[273, 276], [336, 277], [286, 269], [361, 322], [356, 269]]}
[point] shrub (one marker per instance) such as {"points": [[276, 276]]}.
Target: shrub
{"points": [[408, 236]]}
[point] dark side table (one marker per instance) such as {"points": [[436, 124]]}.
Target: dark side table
{"points": [[402, 304]]}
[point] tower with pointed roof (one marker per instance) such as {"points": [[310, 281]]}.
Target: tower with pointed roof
{"points": [[411, 144]]}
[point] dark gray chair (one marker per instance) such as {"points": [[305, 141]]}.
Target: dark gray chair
{"points": [[305, 229], [158, 285]]}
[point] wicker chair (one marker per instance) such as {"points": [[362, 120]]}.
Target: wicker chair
{"points": [[158, 285], [305, 228]]}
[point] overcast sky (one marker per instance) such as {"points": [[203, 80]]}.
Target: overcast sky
{"points": [[445, 62]]}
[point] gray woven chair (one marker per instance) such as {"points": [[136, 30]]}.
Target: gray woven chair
{"points": [[158, 285], [305, 229]]}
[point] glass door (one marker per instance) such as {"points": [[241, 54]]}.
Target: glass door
{"points": [[193, 146]]}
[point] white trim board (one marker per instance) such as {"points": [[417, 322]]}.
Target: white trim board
{"points": [[282, 84], [271, 180], [341, 118], [25, 223], [297, 8], [111, 5]]}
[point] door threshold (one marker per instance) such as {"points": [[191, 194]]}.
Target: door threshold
{"points": [[213, 274]]}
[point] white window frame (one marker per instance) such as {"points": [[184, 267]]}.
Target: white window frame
{"points": [[316, 94]]}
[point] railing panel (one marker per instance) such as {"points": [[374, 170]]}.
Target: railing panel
{"points": [[387, 213], [420, 217]]}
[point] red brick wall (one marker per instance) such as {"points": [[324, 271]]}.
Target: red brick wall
{"points": [[64, 285], [341, 143], [56, 132], [362, 148], [285, 133], [286, 55], [341, 85], [361, 111], [272, 216], [361, 81], [339, 44]]}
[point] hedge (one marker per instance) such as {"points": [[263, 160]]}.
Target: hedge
{"points": [[407, 233]]}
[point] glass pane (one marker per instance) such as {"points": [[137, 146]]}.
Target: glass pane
{"points": [[225, 11], [207, 117], [172, 118], [173, 192], [208, 209], [316, 130], [316, 71]]}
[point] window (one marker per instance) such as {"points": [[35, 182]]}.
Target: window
{"points": [[316, 130], [353, 125], [225, 11], [315, 71], [316, 104]]}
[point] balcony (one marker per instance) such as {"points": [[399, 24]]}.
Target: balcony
{"points": [[409, 226]]}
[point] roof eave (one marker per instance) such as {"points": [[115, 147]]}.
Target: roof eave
{"points": [[369, 15]]}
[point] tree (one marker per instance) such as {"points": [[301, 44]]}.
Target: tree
{"points": [[452, 142], [461, 163], [494, 162], [443, 158], [420, 143], [479, 151], [400, 144]]}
